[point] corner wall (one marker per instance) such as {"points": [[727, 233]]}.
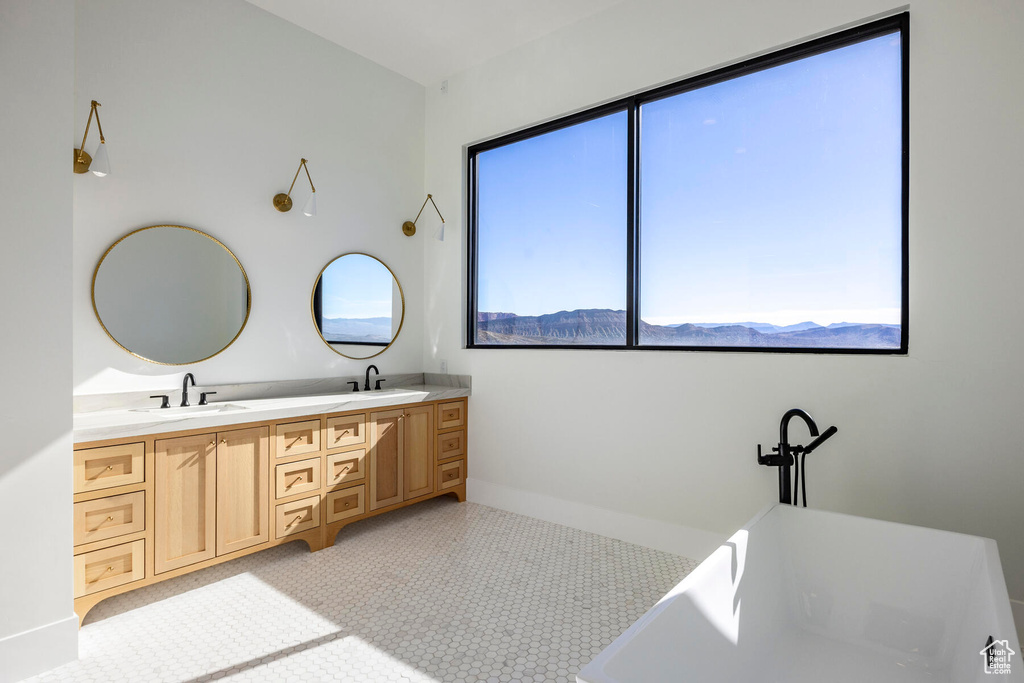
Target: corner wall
{"points": [[207, 109], [38, 629], [933, 439]]}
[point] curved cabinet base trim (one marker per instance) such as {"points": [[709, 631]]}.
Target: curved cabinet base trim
{"points": [[331, 530], [87, 602]]}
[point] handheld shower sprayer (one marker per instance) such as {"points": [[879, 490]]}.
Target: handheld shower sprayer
{"points": [[821, 439]]}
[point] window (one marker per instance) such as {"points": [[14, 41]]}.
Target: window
{"points": [[758, 207], [550, 242]]}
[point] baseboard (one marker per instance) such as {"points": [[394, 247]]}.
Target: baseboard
{"points": [[32, 652], [682, 540], [1017, 608]]}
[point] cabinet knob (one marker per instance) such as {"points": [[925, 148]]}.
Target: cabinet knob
{"points": [[110, 467], [110, 519], [223, 440]]}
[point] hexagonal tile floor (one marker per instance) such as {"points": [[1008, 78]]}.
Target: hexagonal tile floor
{"points": [[436, 592]]}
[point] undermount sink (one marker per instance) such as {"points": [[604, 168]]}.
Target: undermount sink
{"points": [[191, 410]]}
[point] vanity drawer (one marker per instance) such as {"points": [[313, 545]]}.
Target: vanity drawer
{"points": [[346, 467], [297, 477], [451, 414], [451, 445], [346, 503], [346, 430], [109, 567], [451, 474], [103, 518], [103, 468], [297, 438], [297, 516]]}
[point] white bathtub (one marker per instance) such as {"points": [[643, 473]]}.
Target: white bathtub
{"points": [[806, 595]]}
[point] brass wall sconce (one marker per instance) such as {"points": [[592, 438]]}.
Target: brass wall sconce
{"points": [[283, 200], [409, 227], [98, 163]]}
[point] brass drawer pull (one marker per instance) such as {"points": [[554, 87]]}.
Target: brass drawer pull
{"points": [[108, 569], [102, 522]]}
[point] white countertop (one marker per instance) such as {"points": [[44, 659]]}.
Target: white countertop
{"points": [[114, 424]]}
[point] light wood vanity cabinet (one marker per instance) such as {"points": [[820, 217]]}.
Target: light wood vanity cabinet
{"points": [[108, 466], [346, 430], [418, 453], [154, 507], [401, 455], [386, 444], [110, 517], [243, 489], [186, 501], [212, 495]]}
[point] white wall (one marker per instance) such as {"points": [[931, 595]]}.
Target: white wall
{"points": [[934, 439], [38, 629], [207, 108]]}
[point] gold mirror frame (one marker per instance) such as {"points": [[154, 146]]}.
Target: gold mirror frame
{"points": [[312, 305], [245, 276]]}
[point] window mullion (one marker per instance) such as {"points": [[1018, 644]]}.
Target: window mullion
{"points": [[633, 228]]}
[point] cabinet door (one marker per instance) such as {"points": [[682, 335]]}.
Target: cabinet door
{"points": [[243, 489], [186, 500], [387, 435], [418, 453]]}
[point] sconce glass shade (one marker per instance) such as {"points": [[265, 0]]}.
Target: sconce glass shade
{"points": [[100, 165], [309, 208], [439, 235]]}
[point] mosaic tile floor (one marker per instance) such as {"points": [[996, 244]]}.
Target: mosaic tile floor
{"points": [[435, 592]]}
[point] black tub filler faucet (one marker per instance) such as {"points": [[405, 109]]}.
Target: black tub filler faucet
{"points": [[790, 458]]}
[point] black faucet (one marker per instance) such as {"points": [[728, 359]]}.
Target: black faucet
{"points": [[376, 372], [184, 388], [784, 456]]}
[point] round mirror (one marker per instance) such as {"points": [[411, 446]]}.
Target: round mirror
{"points": [[171, 295], [358, 306]]}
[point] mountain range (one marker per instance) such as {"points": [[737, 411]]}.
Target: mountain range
{"points": [[607, 327], [366, 330]]}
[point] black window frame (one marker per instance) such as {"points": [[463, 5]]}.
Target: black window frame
{"points": [[631, 105]]}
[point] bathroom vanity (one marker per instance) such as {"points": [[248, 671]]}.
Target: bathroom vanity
{"points": [[164, 496]]}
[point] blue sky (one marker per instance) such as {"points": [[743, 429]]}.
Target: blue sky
{"points": [[774, 197], [357, 286]]}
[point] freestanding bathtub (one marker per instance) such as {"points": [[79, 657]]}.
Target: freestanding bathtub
{"points": [[806, 595]]}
